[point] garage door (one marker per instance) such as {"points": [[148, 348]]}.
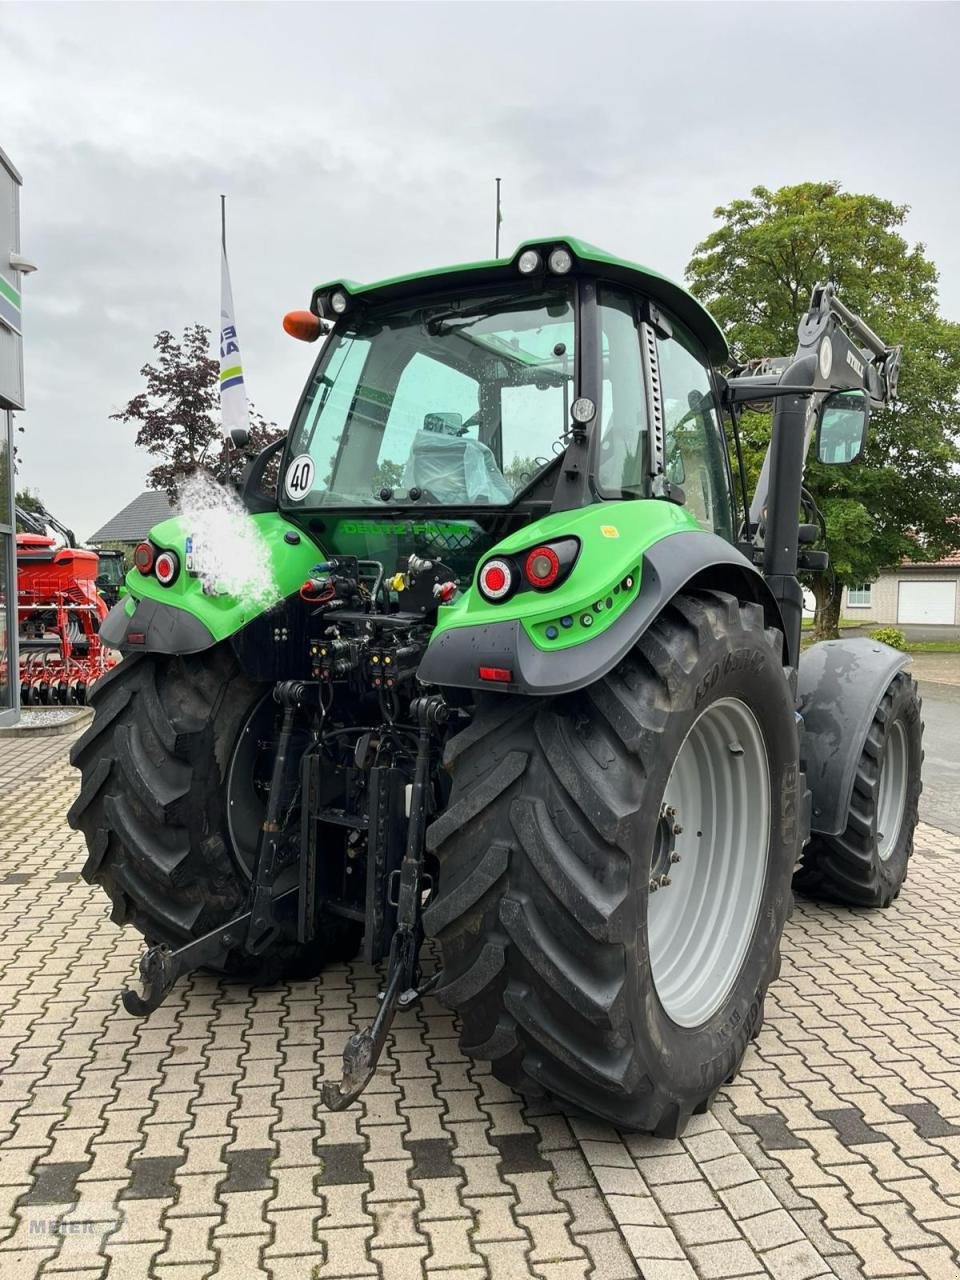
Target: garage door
{"points": [[931, 602]]}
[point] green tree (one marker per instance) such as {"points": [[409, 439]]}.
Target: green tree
{"points": [[519, 471], [755, 272], [178, 414], [29, 501]]}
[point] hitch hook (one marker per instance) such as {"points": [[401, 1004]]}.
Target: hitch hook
{"points": [[157, 976]]}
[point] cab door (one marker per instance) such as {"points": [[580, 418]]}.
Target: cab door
{"points": [[695, 451]]}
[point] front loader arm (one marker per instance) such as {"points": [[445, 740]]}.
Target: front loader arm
{"points": [[827, 360]]}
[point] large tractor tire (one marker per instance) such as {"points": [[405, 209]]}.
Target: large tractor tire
{"points": [[615, 869], [866, 865], [171, 802]]}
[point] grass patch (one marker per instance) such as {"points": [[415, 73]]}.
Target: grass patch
{"points": [[912, 646]]}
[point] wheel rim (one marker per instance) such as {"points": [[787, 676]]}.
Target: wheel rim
{"points": [[700, 924], [892, 792]]}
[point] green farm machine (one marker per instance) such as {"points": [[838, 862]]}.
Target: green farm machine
{"points": [[528, 682]]}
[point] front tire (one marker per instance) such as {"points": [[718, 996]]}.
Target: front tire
{"points": [[564, 971], [866, 865]]}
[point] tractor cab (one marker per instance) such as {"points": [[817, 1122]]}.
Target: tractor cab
{"points": [[110, 574], [496, 392]]}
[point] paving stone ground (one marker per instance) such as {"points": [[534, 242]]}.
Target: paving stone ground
{"points": [[191, 1144]]}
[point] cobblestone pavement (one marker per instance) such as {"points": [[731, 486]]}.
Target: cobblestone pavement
{"points": [[191, 1144]]}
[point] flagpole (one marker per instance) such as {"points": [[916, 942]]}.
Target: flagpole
{"points": [[234, 410], [497, 240]]}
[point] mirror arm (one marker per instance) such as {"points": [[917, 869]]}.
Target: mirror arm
{"points": [[252, 476], [732, 394]]}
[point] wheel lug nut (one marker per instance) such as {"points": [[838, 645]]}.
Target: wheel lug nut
{"points": [[677, 828], [674, 857], [654, 886], [664, 881]]}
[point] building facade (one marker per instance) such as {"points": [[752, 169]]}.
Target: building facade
{"points": [[912, 594], [11, 398]]}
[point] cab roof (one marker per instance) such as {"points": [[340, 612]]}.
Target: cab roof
{"points": [[504, 270]]}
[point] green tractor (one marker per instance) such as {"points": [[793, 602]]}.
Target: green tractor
{"points": [[527, 682]]}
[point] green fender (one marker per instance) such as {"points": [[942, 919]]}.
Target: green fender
{"points": [[635, 556], [183, 618]]}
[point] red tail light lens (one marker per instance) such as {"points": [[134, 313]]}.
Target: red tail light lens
{"points": [[542, 567], [496, 579], [143, 557], [166, 567], [499, 675]]}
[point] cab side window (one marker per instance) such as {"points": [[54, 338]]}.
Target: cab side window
{"points": [[623, 462], [694, 444]]}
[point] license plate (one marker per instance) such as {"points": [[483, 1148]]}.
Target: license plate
{"points": [[195, 558]]}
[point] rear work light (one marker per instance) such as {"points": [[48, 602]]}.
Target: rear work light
{"points": [[497, 578], [143, 557], [560, 261], [166, 567], [542, 567]]}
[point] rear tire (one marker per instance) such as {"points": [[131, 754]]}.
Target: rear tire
{"points": [[554, 831], [865, 866], [153, 805]]}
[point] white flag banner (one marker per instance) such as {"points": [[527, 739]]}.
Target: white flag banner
{"points": [[233, 393]]}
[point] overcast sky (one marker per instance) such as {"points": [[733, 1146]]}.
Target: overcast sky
{"points": [[362, 140]]}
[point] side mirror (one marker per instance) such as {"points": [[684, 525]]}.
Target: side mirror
{"points": [[842, 429]]}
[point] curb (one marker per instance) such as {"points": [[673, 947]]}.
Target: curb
{"points": [[74, 719]]}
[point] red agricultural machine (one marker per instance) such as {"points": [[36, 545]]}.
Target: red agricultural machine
{"points": [[59, 612]]}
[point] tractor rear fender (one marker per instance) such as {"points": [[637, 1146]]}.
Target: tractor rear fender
{"points": [[840, 684], [193, 614], [151, 626], [680, 560]]}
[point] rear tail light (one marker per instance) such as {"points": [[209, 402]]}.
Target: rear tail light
{"points": [[497, 579], [542, 567], [499, 675], [166, 567], [143, 557]]}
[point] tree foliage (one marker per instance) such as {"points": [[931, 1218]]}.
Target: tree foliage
{"points": [[178, 414], [26, 500], [756, 271]]}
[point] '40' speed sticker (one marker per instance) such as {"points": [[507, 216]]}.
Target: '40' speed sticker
{"points": [[299, 478]]}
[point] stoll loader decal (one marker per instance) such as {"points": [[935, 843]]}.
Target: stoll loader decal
{"points": [[531, 685]]}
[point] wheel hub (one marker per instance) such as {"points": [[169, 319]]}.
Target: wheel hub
{"points": [[664, 848]]}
